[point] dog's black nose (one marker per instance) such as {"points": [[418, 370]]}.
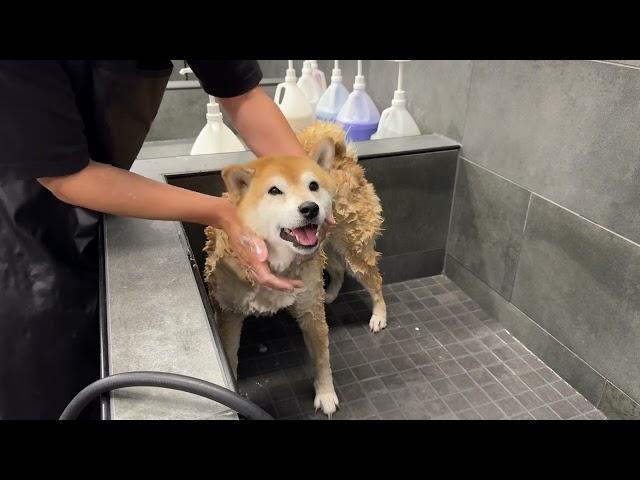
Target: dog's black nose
{"points": [[309, 210]]}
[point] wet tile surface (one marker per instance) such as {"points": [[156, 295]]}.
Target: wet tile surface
{"points": [[440, 357]]}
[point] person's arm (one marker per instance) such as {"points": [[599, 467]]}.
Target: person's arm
{"points": [[261, 124], [37, 95], [112, 190], [236, 86]]}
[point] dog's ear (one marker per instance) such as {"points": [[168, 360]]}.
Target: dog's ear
{"points": [[237, 178], [324, 153], [341, 149]]}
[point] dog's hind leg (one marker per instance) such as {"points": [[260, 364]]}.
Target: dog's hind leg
{"points": [[230, 328], [335, 269], [363, 266], [316, 337]]}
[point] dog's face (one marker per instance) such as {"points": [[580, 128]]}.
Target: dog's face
{"points": [[285, 200]]}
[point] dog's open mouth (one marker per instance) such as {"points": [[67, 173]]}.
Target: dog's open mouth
{"points": [[301, 237]]}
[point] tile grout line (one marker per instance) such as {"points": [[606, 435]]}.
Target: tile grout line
{"points": [[520, 244], [466, 110], [526, 216], [458, 162], [613, 385], [480, 279], [453, 204], [616, 64], [602, 395], [553, 202], [588, 220]]}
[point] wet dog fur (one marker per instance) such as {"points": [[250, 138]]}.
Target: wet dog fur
{"points": [[350, 245]]}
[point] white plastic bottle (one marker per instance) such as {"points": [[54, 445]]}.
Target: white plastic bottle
{"points": [[396, 121], [309, 85], [333, 97], [215, 136], [293, 102], [318, 75]]}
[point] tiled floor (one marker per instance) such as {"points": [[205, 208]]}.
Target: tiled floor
{"points": [[441, 357]]}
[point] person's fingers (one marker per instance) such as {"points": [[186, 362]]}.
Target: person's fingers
{"points": [[253, 252], [276, 283], [255, 245], [265, 277], [296, 283]]}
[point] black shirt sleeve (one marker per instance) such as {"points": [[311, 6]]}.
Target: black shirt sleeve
{"points": [[227, 78], [41, 129]]}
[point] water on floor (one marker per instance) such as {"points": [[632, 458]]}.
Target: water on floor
{"points": [[440, 357]]}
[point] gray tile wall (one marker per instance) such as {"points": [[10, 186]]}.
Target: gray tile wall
{"points": [[436, 92], [181, 115], [566, 130], [581, 283], [546, 218], [486, 226]]}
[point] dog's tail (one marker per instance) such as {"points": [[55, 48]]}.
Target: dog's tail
{"points": [[314, 133]]}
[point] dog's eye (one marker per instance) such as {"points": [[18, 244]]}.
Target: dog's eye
{"points": [[275, 191], [313, 186]]}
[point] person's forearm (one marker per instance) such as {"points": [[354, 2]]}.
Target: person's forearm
{"points": [[261, 124], [112, 190]]}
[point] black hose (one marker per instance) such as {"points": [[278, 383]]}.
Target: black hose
{"points": [[171, 381]]}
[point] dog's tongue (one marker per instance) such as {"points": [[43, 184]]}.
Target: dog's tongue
{"points": [[305, 235]]}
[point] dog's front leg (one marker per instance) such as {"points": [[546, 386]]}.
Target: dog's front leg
{"points": [[364, 267], [315, 330]]}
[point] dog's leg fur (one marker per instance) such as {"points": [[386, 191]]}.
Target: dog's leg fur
{"points": [[309, 312], [368, 275], [335, 269], [230, 328], [316, 337]]}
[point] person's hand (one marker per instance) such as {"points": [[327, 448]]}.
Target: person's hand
{"points": [[252, 251]]}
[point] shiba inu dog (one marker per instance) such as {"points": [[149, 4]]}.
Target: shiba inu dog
{"points": [[286, 200]]}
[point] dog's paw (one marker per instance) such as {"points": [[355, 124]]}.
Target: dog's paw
{"points": [[377, 323], [330, 296], [327, 401]]}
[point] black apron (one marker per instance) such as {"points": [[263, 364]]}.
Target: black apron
{"points": [[49, 336]]}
